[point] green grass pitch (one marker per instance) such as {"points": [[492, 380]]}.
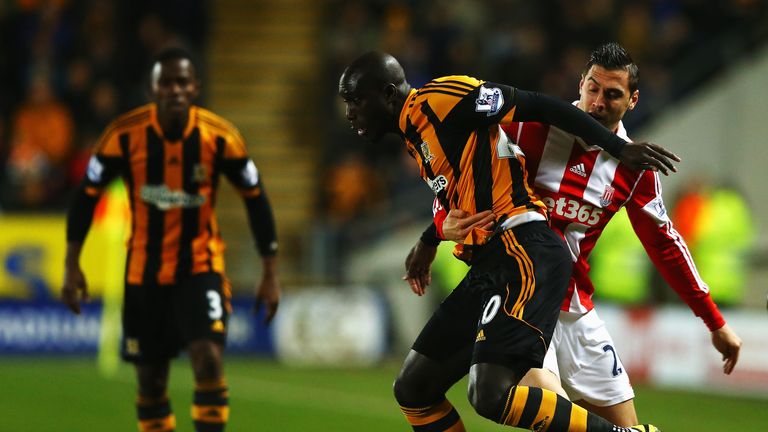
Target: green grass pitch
{"points": [[69, 395]]}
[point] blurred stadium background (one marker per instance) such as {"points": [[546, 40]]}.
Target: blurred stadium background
{"points": [[348, 211]]}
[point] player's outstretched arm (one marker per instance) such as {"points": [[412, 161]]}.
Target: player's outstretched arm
{"points": [[537, 107], [728, 343]]}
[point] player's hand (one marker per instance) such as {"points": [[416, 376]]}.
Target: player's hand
{"points": [[459, 223], [728, 343], [268, 296], [418, 267], [75, 288], [648, 156]]}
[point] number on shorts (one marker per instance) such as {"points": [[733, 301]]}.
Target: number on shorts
{"points": [[214, 301], [616, 369], [491, 308]]}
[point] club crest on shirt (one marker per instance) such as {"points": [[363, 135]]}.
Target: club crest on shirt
{"points": [[132, 346], [489, 101], [607, 198], [199, 173], [428, 156]]}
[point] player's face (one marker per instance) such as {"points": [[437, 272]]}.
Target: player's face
{"points": [[174, 86], [604, 94], [366, 108]]}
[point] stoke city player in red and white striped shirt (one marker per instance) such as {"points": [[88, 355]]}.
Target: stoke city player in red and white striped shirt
{"points": [[583, 187]]}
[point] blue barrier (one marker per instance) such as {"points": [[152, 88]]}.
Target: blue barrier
{"points": [[47, 327]]}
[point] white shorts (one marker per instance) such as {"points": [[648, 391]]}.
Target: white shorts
{"points": [[584, 356]]}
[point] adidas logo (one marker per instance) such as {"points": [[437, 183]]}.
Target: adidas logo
{"points": [[579, 170], [480, 336]]}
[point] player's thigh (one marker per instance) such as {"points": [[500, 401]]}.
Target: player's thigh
{"points": [[548, 376], [202, 307], [452, 327], [522, 286], [441, 354], [589, 363]]}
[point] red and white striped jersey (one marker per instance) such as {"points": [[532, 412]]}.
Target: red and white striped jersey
{"points": [[583, 187]]}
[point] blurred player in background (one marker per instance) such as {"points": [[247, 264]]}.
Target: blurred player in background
{"points": [[519, 271], [170, 155], [583, 187]]}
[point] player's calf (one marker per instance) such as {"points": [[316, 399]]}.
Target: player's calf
{"points": [[155, 414], [210, 407]]}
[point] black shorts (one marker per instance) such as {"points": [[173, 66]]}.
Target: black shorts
{"points": [[506, 308], [160, 320]]}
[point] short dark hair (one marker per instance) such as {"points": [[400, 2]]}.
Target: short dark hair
{"points": [[613, 56]]}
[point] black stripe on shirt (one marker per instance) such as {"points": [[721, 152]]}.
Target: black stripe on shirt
{"points": [[482, 171], [520, 196], [458, 95], [125, 146], [155, 217], [190, 216]]}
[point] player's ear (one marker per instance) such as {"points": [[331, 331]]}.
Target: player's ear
{"points": [[581, 84], [389, 92], [633, 99]]}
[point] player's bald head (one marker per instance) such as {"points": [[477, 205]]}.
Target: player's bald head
{"points": [[373, 71]]}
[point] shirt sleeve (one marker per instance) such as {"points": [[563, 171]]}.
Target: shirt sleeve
{"points": [[668, 251], [106, 162], [433, 235], [240, 169], [243, 174], [470, 103]]}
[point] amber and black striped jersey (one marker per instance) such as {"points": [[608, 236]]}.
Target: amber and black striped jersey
{"points": [[172, 189], [451, 127]]}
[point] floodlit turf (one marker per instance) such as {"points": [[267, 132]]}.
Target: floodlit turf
{"points": [[69, 395]]}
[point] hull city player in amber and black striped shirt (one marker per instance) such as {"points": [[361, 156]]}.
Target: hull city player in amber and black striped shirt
{"points": [[584, 188], [171, 155], [498, 322]]}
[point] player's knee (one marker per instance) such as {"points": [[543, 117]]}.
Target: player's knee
{"points": [[487, 400], [206, 360], [406, 393]]}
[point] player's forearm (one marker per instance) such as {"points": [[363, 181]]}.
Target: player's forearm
{"points": [[269, 266], [262, 224], [72, 257], [536, 107], [430, 236], [675, 265]]}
